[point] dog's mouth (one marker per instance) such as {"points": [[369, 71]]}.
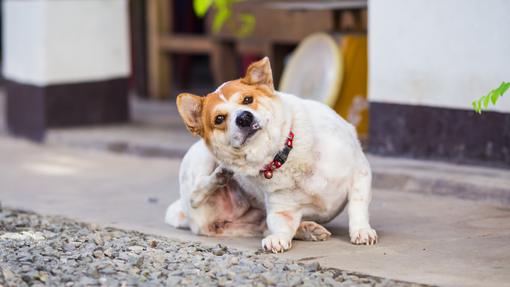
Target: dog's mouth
{"points": [[251, 132], [248, 135]]}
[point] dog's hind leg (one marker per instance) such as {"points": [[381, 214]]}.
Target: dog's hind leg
{"points": [[174, 216], [311, 231], [205, 185]]}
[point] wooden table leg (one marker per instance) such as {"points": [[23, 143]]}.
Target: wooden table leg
{"points": [[158, 61]]}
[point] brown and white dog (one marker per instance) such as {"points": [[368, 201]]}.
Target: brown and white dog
{"points": [[293, 159]]}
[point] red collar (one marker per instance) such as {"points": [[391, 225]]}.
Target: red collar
{"points": [[279, 159]]}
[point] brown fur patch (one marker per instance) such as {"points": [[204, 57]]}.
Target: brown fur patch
{"points": [[190, 109]]}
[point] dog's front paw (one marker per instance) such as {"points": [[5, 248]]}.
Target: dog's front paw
{"points": [[311, 231], [276, 243], [366, 236], [222, 175]]}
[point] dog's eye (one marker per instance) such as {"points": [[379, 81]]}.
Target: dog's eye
{"points": [[248, 100], [219, 119]]}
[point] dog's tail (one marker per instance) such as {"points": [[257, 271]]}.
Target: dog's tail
{"points": [[174, 216]]}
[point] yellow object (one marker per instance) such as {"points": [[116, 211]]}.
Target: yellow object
{"points": [[352, 103]]}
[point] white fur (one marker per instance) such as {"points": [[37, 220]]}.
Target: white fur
{"points": [[222, 97], [173, 216]]}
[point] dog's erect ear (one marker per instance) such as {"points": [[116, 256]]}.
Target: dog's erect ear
{"points": [[259, 73], [190, 108]]}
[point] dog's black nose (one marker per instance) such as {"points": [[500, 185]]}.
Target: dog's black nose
{"points": [[244, 119]]}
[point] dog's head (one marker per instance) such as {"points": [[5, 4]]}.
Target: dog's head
{"points": [[240, 122]]}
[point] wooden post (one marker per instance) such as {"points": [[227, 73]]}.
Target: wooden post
{"points": [[223, 62], [158, 24]]}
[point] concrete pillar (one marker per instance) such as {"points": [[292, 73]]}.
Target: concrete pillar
{"points": [[66, 63]]}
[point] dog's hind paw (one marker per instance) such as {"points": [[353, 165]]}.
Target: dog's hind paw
{"points": [[311, 231], [366, 236], [276, 243]]}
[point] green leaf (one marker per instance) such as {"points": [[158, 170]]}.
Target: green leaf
{"points": [[480, 105], [495, 96], [247, 26], [201, 7], [219, 19], [474, 106], [486, 99], [502, 89]]}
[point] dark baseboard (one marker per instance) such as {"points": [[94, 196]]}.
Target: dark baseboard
{"points": [[32, 109], [458, 136]]}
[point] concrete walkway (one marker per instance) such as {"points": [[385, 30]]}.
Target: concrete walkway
{"points": [[424, 237]]}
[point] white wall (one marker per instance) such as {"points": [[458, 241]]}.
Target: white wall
{"points": [[71, 41], [438, 53]]}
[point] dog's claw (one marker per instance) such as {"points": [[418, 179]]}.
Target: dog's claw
{"points": [[367, 236]]}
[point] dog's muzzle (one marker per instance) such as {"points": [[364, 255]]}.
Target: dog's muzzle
{"points": [[247, 125]]}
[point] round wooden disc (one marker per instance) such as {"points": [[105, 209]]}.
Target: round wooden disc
{"points": [[315, 70]]}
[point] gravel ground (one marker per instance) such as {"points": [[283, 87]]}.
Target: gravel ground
{"points": [[53, 251]]}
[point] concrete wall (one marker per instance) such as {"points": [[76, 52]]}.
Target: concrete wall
{"points": [[438, 53], [66, 63], [65, 41]]}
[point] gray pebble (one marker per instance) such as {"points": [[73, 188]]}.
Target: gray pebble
{"points": [[98, 254], [68, 278], [267, 279], [293, 268], [29, 258], [173, 281], [175, 273], [258, 269], [92, 272], [136, 261], [268, 264], [314, 266], [98, 239], [27, 278], [218, 251]]}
